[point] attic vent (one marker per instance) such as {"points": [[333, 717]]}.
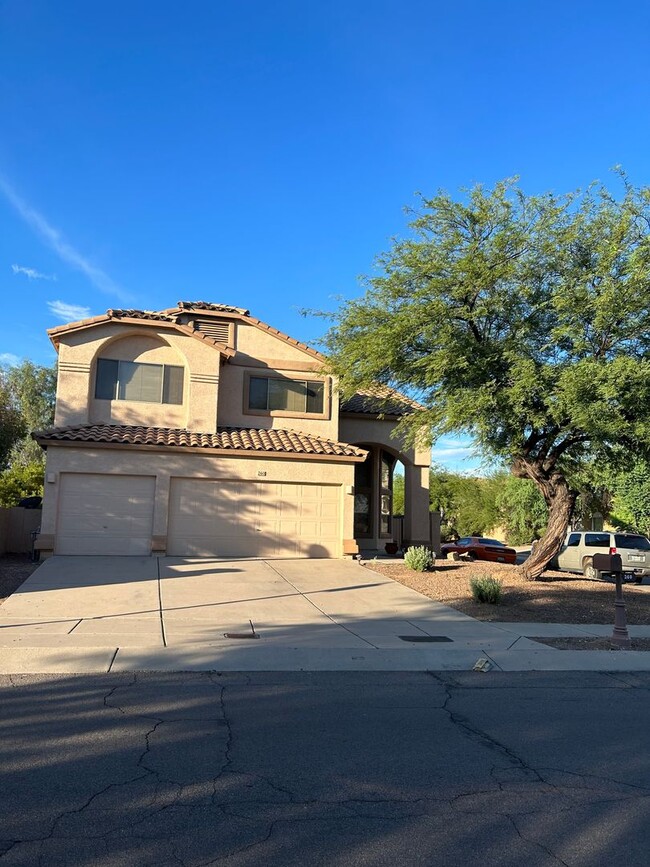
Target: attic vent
{"points": [[217, 330]]}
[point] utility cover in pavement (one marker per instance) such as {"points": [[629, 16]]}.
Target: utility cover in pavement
{"points": [[422, 638]]}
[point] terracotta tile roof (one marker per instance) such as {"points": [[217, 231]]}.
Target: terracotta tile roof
{"points": [[80, 323], [158, 316], [380, 401], [208, 305], [226, 439]]}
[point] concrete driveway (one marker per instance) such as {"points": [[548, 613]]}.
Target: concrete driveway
{"points": [[101, 614], [132, 613]]}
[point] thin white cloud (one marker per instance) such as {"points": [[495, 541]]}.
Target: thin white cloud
{"points": [[9, 359], [458, 451], [68, 312], [32, 273], [65, 251]]}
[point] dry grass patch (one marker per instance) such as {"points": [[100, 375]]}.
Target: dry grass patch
{"points": [[559, 598]]}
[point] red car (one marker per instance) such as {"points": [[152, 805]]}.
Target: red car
{"points": [[478, 548]]}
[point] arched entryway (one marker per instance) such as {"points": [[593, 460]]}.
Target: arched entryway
{"points": [[373, 496]]}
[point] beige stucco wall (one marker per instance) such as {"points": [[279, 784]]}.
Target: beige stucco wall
{"points": [[214, 392], [167, 465], [359, 430], [77, 358], [257, 352], [259, 344], [232, 409]]}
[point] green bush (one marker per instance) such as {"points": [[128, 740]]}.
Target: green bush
{"points": [[486, 588], [419, 558], [19, 482]]}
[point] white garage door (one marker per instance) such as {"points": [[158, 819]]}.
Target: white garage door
{"points": [[212, 518], [102, 514]]}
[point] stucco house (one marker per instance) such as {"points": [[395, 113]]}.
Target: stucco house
{"points": [[200, 431]]}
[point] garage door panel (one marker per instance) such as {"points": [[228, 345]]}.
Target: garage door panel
{"points": [[210, 517], [105, 514]]}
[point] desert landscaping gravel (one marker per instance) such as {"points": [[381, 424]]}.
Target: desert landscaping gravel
{"points": [[14, 569], [591, 643], [560, 597]]}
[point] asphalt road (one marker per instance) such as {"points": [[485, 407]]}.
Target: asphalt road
{"points": [[329, 769]]}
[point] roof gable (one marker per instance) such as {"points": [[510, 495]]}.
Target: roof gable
{"points": [[138, 317], [378, 401], [170, 317]]}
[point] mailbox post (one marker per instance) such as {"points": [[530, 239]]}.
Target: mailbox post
{"points": [[613, 564]]}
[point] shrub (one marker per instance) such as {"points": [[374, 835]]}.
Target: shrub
{"points": [[419, 558], [486, 588], [19, 482]]}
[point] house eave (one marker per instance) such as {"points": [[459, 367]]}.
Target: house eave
{"points": [[259, 454]]}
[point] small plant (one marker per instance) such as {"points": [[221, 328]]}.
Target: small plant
{"points": [[419, 558], [486, 588]]}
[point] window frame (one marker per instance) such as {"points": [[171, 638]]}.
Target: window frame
{"points": [[164, 382], [286, 413]]}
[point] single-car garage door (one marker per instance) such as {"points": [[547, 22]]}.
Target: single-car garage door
{"points": [[214, 518], [103, 514]]}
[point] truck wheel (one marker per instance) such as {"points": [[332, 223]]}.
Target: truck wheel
{"points": [[589, 572]]}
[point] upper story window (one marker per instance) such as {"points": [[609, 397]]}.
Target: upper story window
{"points": [[133, 380], [293, 396]]}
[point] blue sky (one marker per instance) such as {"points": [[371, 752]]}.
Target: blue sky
{"points": [[260, 153]]}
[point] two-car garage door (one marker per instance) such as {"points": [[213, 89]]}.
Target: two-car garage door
{"points": [[113, 514], [209, 517]]}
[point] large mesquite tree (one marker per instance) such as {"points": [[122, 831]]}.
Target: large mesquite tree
{"points": [[522, 320]]}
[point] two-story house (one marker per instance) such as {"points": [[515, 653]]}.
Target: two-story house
{"points": [[201, 431]]}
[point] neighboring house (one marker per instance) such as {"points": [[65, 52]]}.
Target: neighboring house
{"points": [[201, 431]]}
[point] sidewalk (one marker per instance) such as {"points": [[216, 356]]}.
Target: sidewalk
{"points": [[131, 614], [506, 646]]}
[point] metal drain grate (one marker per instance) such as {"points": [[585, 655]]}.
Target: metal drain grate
{"points": [[421, 639]]}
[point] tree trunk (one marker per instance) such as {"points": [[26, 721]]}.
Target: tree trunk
{"points": [[560, 500]]}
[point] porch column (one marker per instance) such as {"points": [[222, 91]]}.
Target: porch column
{"points": [[416, 505]]}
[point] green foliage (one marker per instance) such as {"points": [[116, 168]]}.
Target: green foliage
{"points": [[28, 393], [34, 389], [12, 423], [21, 481], [398, 494], [486, 588], [631, 497], [522, 321], [522, 511], [25, 452], [466, 504], [418, 558]]}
